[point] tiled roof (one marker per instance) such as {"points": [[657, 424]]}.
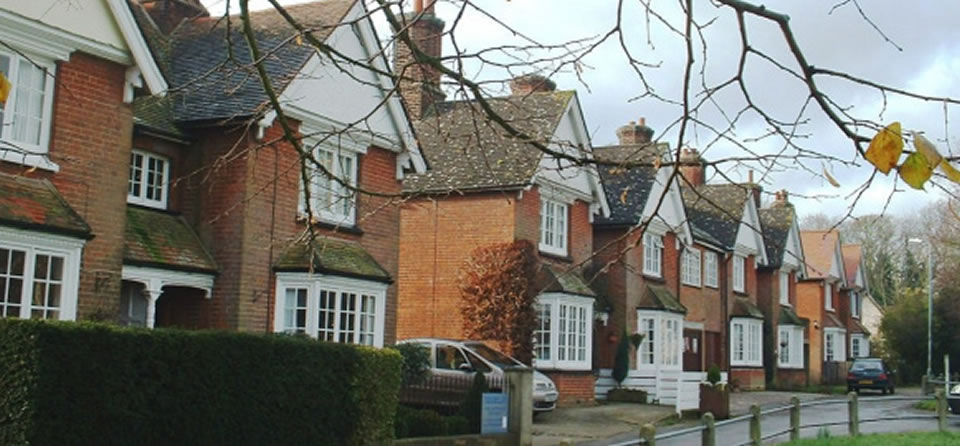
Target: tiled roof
{"points": [[159, 239], [332, 256], [776, 222], [717, 209], [553, 279], [467, 151], [742, 307], [657, 297], [858, 327], [627, 189], [206, 84], [832, 321], [818, 251], [36, 204], [789, 317], [156, 113], [851, 262]]}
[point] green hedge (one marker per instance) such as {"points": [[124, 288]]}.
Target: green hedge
{"points": [[84, 383], [428, 423]]}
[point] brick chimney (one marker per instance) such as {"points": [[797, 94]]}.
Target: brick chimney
{"points": [[635, 133], [781, 198], [691, 167], [167, 14], [531, 83], [419, 83]]}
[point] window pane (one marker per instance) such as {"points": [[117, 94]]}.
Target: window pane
{"points": [[295, 310], [367, 320], [28, 103], [348, 308], [542, 334], [11, 281], [327, 315]]}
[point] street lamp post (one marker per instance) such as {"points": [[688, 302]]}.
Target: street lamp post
{"points": [[929, 304]]}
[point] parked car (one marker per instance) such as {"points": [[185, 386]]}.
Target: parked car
{"points": [[953, 398], [870, 373], [453, 364]]}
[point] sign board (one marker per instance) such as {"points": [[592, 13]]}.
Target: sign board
{"points": [[493, 418]]}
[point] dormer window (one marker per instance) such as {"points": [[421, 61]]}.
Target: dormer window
{"points": [[149, 177], [553, 227], [26, 115], [332, 199]]}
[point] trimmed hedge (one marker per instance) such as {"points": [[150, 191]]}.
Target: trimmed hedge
{"points": [[85, 383], [413, 422]]}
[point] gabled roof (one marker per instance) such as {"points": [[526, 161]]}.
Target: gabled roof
{"points": [[822, 254], [657, 297], [857, 327], [159, 239], [627, 189], [467, 151], [780, 230], [718, 210], [852, 260], [37, 205], [551, 279], [207, 84], [332, 256]]}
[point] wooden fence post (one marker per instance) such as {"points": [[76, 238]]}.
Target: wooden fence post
{"points": [[794, 419], [941, 410], [709, 434], [648, 434], [755, 425], [853, 411]]}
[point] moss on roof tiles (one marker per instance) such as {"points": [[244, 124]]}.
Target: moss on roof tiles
{"points": [[776, 222], [156, 113], [468, 151], [717, 209], [160, 239], [332, 256], [555, 279], [627, 189], [742, 307], [789, 317], [36, 204], [656, 297]]}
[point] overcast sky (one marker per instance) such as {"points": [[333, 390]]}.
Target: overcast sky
{"points": [[840, 40]]}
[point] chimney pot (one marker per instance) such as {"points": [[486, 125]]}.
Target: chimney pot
{"points": [[531, 83], [691, 166], [642, 121], [635, 133]]}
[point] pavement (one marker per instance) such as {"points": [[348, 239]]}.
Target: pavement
{"points": [[614, 423]]}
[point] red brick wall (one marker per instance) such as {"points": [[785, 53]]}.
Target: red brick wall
{"points": [[810, 306], [791, 378], [575, 388], [610, 244], [748, 378], [90, 141]]}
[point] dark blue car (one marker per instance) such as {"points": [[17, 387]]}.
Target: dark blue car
{"points": [[869, 373]]}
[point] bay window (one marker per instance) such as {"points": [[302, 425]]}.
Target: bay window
{"points": [[149, 177], [331, 308], [332, 197], [564, 332], [26, 116], [662, 345], [739, 273], [834, 344], [39, 275], [790, 342], [690, 271], [859, 346], [710, 274], [553, 227], [746, 340], [652, 254]]}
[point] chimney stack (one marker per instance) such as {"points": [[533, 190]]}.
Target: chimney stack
{"points": [[419, 83], [691, 167], [781, 198], [531, 83], [167, 14], [635, 133]]}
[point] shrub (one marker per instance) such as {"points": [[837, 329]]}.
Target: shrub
{"points": [[472, 408], [416, 363], [713, 375], [621, 361], [86, 383], [428, 423]]}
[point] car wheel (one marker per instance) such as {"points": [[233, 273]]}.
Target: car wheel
{"points": [[883, 391]]}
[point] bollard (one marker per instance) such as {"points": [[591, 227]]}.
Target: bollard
{"points": [[795, 419], [519, 382], [708, 436], [853, 411], [941, 410], [924, 389], [648, 434], [755, 425]]}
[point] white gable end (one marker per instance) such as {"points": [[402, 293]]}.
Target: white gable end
{"points": [[749, 234], [664, 206], [836, 266], [793, 249]]}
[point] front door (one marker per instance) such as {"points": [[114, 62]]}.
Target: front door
{"points": [[692, 351]]}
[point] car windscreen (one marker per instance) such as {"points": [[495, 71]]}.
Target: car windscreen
{"points": [[499, 359], [866, 366]]}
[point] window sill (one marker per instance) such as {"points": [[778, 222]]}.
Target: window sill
{"points": [[136, 201], [716, 287], [741, 293], [552, 366], [32, 161], [691, 285], [563, 258], [790, 367], [336, 227], [758, 365], [659, 279], [551, 251]]}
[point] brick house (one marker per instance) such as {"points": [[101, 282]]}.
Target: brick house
{"points": [[855, 293], [65, 130], [725, 222], [784, 331], [819, 301], [484, 187]]}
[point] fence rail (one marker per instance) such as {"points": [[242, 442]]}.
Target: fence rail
{"points": [[708, 427], [445, 393]]}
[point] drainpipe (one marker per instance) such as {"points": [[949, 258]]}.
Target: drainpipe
{"points": [[724, 297]]}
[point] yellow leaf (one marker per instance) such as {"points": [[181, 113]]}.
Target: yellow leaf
{"points": [[5, 87], [949, 171], [830, 178], [299, 40], [927, 148], [916, 170], [885, 148]]}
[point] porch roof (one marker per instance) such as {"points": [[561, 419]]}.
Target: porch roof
{"points": [[832, 321], [858, 328], [744, 308], [656, 297], [155, 238], [789, 317], [331, 256], [35, 204]]}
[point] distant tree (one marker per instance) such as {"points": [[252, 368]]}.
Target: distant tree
{"points": [[904, 334], [498, 296], [913, 274], [879, 237], [817, 222]]}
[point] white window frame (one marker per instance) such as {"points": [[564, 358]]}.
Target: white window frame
{"points": [[327, 201], [739, 273], [838, 337], [746, 342], [691, 270], [791, 356], [566, 309], [667, 343], [828, 296], [21, 152], [140, 197], [710, 275], [855, 303], [784, 288], [36, 243], [554, 226], [652, 254], [862, 344], [314, 284]]}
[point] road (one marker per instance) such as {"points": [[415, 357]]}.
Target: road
{"points": [[871, 407]]}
